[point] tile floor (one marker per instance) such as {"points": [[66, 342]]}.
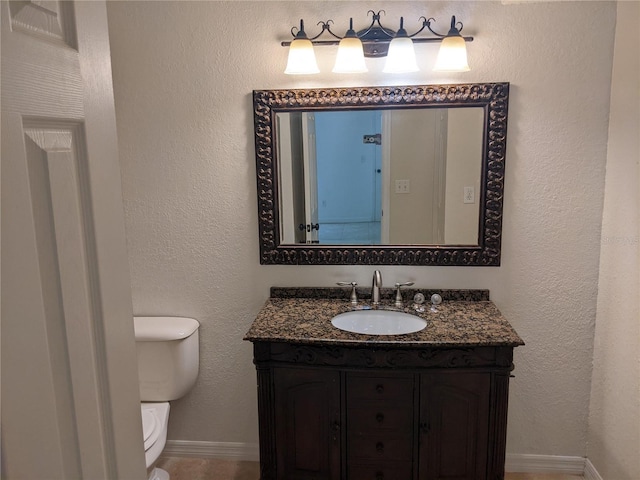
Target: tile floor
{"points": [[184, 468], [357, 233]]}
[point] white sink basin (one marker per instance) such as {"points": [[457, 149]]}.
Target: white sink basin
{"points": [[378, 322]]}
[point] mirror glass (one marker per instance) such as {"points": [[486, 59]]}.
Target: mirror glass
{"points": [[381, 175]]}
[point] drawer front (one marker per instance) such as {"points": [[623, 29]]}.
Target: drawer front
{"points": [[376, 418], [376, 388], [371, 471], [372, 447]]}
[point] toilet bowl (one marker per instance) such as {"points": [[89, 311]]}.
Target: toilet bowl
{"points": [[168, 362], [155, 419]]}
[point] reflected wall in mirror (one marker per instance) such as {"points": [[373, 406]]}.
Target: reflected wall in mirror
{"points": [[381, 175]]}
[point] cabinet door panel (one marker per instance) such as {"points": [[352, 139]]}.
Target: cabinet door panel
{"points": [[307, 423], [454, 420]]}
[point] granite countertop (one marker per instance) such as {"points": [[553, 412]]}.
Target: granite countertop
{"points": [[300, 317]]}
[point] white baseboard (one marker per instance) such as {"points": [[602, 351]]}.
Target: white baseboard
{"points": [[526, 463], [590, 472], [228, 450], [515, 462]]}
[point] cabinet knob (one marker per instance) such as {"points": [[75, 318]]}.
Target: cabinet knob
{"points": [[380, 388], [380, 448], [380, 418], [425, 427], [335, 428]]}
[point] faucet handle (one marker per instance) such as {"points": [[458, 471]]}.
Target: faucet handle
{"points": [[435, 301], [353, 297], [398, 302]]}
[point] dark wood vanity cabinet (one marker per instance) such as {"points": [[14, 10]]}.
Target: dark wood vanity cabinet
{"points": [[379, 425], [455, 415], [357, 413], [306, 411]]}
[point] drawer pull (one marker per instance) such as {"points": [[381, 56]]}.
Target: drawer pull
{"points": [[380, 418], [379, 476], [380, 388], [335, 427], [380, 448]]}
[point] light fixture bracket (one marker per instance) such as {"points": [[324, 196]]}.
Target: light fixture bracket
{"points": [[376, 37]]}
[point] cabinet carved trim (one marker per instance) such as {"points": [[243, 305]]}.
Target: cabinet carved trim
{"points": [[385, 357], [266, 425], [498, 432]]}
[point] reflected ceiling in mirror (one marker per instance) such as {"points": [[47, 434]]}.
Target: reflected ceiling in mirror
{"points": [[381, 175]]}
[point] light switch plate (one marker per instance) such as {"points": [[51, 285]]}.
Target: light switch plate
{"points": [[403, 186], [469, 195]]}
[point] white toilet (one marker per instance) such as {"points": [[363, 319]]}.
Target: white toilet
{"points": [[168, 360]]}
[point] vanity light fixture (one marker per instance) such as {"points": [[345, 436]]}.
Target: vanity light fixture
{"points": [[452, 56], [302, 58], [377, 41], [350, 57], [401, 57]]}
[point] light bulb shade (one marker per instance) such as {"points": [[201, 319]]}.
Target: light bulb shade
{"points": [[350, 58], [302, 59], [452, 56], [401, 57]]}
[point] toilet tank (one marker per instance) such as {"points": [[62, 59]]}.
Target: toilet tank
{"points": [[168, 356]]}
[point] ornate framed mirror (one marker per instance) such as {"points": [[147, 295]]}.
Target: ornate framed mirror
{"points": [[401, 175]]}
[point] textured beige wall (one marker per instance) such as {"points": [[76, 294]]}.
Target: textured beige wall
{"points": [[614, 416], [464, 147], [183, 76], [411, 215]]}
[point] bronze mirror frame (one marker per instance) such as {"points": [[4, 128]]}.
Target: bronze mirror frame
{"points": [[492, 97]]}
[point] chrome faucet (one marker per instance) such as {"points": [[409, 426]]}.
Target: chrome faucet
{"points": [[375, 288]]}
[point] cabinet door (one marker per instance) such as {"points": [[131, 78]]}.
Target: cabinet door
{"points": [[454, 425], [307, 423]]}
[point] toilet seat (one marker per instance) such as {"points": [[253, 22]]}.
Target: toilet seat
{"points": [[150, 426], [155, 418]]}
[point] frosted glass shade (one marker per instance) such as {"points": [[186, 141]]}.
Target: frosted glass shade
{"points": [[302, 59], [401, 57], [452, 56], [350, 58]]}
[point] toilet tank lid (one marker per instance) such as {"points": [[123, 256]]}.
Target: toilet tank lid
{"points": [[157, 329]]}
